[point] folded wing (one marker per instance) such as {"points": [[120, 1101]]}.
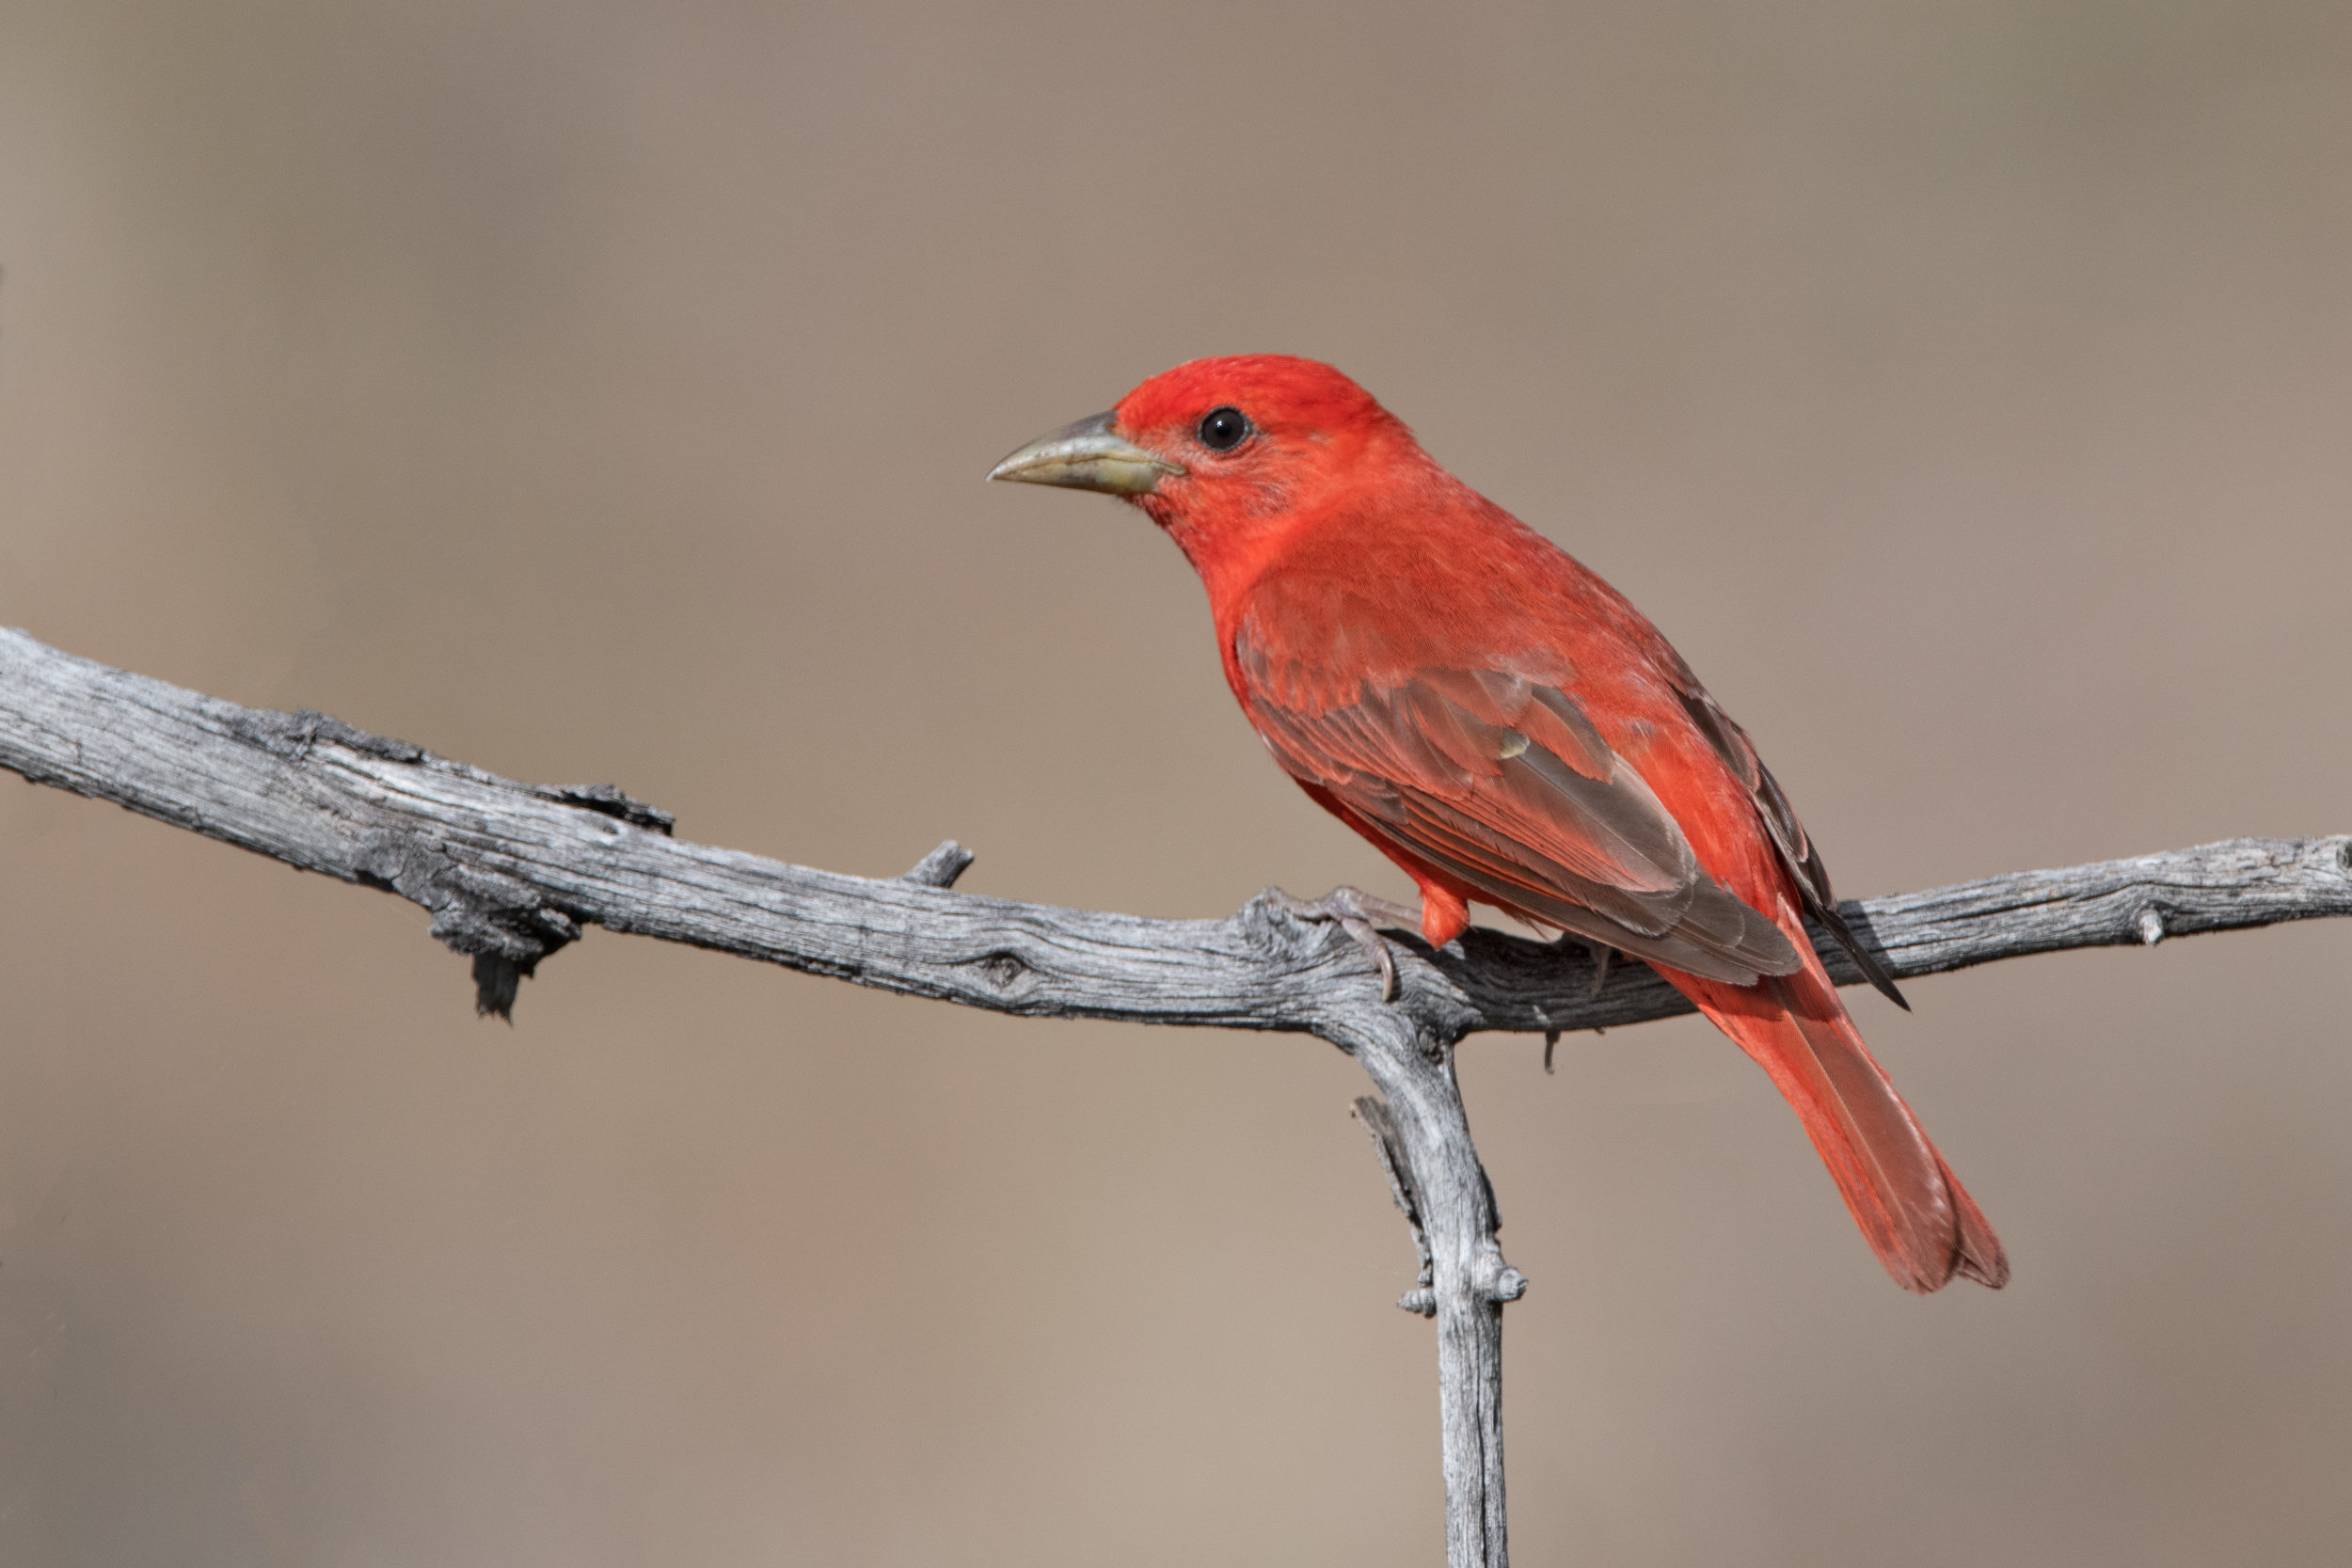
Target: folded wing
{"points": [[1500, 780]]}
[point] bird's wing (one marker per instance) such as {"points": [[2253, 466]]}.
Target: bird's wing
{"points": [[1797, 851], [1500, 780]]}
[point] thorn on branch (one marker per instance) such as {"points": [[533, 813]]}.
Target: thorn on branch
{"points": [[941, 866]]}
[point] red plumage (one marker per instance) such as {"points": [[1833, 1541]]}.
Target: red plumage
{"points": [[1506, 727]]}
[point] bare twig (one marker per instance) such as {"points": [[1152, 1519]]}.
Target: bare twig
{"points": [[941, 866], [512, 872]]}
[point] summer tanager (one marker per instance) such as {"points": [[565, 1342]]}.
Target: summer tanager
{"points": [[1506, 727]]}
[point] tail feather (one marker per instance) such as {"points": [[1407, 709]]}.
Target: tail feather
{"points": [[1912, 1210], [1980, 1255]]}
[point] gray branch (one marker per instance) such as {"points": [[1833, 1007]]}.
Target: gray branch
{"points": [[511, 872]]}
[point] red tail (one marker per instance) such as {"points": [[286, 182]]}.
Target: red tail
{"points": [[1912, 1209]]}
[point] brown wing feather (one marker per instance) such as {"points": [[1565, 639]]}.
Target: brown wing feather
{"points": [[1504, 783], [1780, 821]]}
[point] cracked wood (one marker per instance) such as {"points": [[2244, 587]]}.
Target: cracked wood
{"points": [[511, 872]]}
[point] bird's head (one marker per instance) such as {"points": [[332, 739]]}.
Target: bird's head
{"points": [[1228, 454]]}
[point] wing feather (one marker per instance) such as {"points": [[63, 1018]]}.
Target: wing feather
{"points": [[1788, 834], [1503, 781]]}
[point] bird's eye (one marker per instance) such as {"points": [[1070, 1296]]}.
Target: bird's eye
{"points": [[1223, 429]]}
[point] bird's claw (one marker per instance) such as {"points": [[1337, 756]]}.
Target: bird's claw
{"points": [[1602, 955], [1354, 911]]}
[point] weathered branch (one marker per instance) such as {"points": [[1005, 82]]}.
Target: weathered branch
{"points": [[517, 870], [511, 872]]}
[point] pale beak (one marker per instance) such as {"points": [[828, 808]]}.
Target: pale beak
{"points": [[1087, 455]]}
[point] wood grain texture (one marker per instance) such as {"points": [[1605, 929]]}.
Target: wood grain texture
{"points": [[512, 872], [516, 871]]}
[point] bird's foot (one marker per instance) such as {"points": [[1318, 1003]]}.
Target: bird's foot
{"points": [[1354, 911], [1603, 955]]}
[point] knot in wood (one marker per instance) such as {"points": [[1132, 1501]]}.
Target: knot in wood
{"points": [[1503, 1283], [1003, 969]]}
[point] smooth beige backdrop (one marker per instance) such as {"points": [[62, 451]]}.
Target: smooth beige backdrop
{"points": [[600, 391]]}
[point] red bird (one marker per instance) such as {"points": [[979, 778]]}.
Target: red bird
{"points": [[1504, 725]]}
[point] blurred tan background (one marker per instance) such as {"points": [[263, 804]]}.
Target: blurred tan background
{"points": [[601, 393]]}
